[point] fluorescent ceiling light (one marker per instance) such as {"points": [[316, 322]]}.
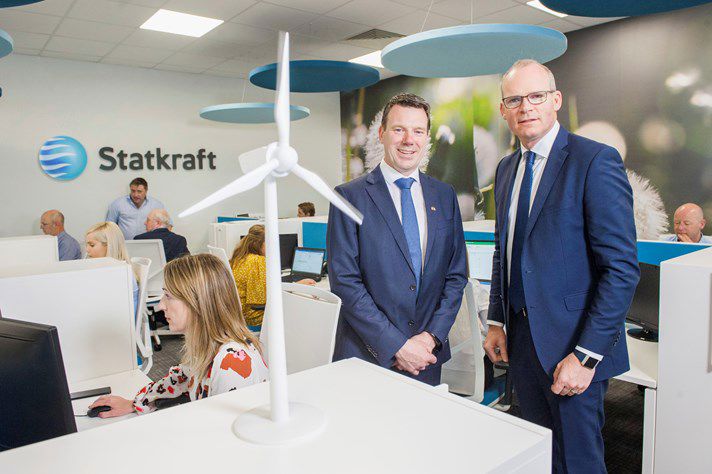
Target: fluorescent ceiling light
{"points": [[537, 4], [371, 59], [180, 23]]}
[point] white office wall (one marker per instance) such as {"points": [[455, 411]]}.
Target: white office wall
{"points": [[140, 109]]}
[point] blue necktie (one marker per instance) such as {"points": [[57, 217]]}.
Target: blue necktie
{"points": [[516, 285], [410, 227]]}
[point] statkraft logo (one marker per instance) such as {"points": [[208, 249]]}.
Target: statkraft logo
{"points": [[62, 158]]}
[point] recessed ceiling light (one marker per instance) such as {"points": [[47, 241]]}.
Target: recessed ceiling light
{"points": [[371, 59], [537, 4], [180, 23]]}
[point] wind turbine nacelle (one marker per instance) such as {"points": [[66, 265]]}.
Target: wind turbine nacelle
{"points": [[285, 155]]}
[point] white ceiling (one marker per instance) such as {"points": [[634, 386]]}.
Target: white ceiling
{"points": [[107, 31]]}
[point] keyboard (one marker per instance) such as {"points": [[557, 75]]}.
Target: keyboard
{"points": [[295, 278]]}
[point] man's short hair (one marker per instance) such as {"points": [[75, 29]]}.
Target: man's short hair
{"points": [[55, 216], [405, 99], [524, 63], [307, 208], [139, 182], [161, 215]]}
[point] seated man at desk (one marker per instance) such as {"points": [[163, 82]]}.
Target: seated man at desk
{"points": [[306, 209], [52, 223], [689, 222], [220, 352], [158, 226]]}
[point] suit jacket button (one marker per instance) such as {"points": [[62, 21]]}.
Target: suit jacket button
{"points": [[412, 287], [411, 323]]}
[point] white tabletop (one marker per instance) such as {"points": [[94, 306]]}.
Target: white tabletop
{"points": [[643, 356], [378, 421], [124, 384]]}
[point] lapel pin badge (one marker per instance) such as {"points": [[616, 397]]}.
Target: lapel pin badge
{"points": [[432, 208]]}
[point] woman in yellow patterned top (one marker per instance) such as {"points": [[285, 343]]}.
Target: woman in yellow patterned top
{"points": [[250, 272]]}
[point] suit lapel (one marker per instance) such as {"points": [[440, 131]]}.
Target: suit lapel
{"points": [[431, 212], [380, 196], [553, 166], [508, 181]]}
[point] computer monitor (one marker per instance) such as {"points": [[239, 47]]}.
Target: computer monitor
{"points": [[34, 395], [644, 310], [479, 258], [308, 261], [287, 245]]}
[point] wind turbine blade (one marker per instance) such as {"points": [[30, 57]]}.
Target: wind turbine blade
{"points": [[322, 188], [241, 184], [281, 109], [252, 159]]}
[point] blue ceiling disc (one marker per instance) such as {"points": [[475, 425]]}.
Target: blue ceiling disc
{"points": [[16, 3], [6, 44], [317, 76], [471, 50], [607, 8], [249, 112]]}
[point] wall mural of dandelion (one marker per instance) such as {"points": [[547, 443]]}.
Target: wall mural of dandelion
{"points": [[642, 85]]}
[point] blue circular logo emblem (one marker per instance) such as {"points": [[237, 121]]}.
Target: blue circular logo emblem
{"points": [[62, 158]]}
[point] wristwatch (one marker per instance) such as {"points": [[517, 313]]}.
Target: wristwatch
{"points": [[586, 360], [438, 344]]}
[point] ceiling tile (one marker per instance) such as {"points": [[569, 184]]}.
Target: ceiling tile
{"points": [[111, 12], [561, 25], [216, 49], [28, 52], [78, 46], [463, 10], [189, 69], [234, 66], [138, 53], [413, 23], [16, 20], [219, 9], [340, 52], [305, 44], [370, 12], [49, 7], [192, 60], [240, 34], [518, 14], [314, 6], [144, 3], [422, 4], [332, 29], [266, 15], [92, 30], [128, 62], [588, 21], [72, 56], [158, 39], [213, 72], [24, 40]]}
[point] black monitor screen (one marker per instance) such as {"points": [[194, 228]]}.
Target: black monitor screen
{"points": [[287, 245], [644, 309], [34, 396]]}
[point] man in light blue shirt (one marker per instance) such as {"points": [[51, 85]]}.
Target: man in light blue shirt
{"points": [[130, 211], [52, 223], [689, 222]]}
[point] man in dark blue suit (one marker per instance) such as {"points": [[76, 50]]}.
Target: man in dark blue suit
{"points": [[565, 269], [399, 275], [157, 224]]}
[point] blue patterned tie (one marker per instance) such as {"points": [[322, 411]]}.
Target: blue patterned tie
{"points": [[410, 227], [516, 285]]}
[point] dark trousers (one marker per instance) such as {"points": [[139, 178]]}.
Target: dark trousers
{"points": [[575, 421]]}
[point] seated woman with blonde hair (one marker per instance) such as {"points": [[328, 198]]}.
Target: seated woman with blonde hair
{"points": [[105, 239], [250, 271], [220, 353]]}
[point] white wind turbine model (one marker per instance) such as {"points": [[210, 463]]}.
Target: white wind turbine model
{"points": [[288, 421]]}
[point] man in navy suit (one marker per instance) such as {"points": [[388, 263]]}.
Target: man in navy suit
{"points": [[157, 224], [565, 269], [399, 275]]}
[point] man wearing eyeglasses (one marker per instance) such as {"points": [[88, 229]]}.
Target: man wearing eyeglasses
{"points": [[565, 269]]}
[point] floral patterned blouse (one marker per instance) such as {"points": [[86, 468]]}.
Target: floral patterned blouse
{"points": [[235, 366], [251, 277]]}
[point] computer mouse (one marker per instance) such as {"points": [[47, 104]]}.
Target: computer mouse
{"points": [[94, 412]]}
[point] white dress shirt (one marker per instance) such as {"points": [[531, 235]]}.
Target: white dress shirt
{"points": [[542, 149], [416, 191]]}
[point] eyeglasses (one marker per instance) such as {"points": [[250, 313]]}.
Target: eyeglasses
{"points": [[534, 98]]}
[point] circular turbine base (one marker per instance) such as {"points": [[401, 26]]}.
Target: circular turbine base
{"points": [[256, 426]]}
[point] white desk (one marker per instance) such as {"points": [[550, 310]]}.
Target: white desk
{"points": [[378, 421], [123, 384], [643, 356]]}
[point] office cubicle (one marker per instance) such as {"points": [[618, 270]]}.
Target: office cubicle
{"points": [[28, 249]]}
